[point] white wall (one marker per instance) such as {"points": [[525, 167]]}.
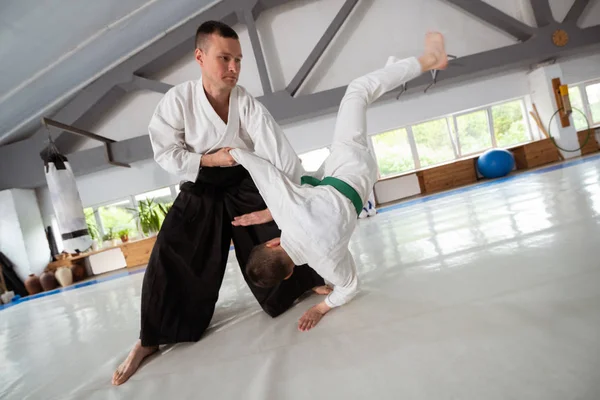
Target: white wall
{"points": [[32, 229], [375, 30], [580, 69], [592, 16], [11, 241], [560, 8], [22, 235], [128, 118], [398, 188]]}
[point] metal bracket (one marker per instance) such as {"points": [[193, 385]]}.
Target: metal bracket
{"points": [[107, 142], [434, 74], [403, 89]]}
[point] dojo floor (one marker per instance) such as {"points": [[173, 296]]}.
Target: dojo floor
{"points": [[488, 292]]}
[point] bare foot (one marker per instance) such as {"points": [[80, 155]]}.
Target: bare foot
{"points": [[132, 362], [434, 56], [312, 317], [324, 290]]}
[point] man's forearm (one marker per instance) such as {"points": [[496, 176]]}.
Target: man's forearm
{"points": [[206, 160], [221, 158], [323, 308]]}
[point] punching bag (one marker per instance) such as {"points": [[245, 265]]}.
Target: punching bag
{"points": [[65, 200]]}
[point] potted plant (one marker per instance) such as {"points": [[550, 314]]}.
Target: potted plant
{"points": [[151, 216], [124, 235], [110, 236], [92, 229]]}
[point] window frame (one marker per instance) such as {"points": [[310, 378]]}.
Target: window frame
{"points": [[490, 123], [586, 101], [413, 150], [455, 145]]}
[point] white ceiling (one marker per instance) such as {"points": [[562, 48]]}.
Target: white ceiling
{"points": [[50, 49]]}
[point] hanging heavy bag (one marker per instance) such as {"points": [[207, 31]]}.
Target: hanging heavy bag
{"points": [[65, 200]]}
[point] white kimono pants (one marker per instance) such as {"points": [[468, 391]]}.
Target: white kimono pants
{"points": [[350, 158]]}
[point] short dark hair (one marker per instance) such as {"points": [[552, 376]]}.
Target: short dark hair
{"points": [[210, 27], [266, 268]]}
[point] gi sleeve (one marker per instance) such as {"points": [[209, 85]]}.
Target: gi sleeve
{"points": [[167, 136], [270, 142], [345, 282]]}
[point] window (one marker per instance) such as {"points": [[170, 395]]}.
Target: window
{"points": [[585, 97], [393, 152], [509, 123], [312, 160], [433, 142], [152, 208], [593, 96], [473, 132], [579, 115], [117, 217], [161, 196], [90, 219], [143, 213], [446, 139]]}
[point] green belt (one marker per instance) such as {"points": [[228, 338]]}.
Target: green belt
{"points": [[340, 186]]}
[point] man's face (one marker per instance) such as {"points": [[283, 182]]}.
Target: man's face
{"points": [[220, 61]]}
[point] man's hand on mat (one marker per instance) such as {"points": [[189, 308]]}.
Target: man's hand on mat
{"points": [[311, 318], [255, 218], [221, 158]]}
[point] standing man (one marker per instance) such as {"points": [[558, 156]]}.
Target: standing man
{"points": [[191, 131]]}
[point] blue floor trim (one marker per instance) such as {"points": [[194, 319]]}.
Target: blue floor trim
{"points": [[72, 287], [565, 164]]}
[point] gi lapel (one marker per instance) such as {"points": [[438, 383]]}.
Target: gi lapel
{"points": [[227, 132]]}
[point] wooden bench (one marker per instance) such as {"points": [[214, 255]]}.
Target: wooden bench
{"points": [[136, 253]]}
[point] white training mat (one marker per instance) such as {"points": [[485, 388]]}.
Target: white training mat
{"points": [[490, 292]]}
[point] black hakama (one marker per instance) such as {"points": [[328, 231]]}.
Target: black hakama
{"points": [[186, 268]]}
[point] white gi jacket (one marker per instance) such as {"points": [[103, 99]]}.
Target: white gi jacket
{"points": [[185, 126]]}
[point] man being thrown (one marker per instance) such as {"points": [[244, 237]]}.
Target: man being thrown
{"points": [[318, 217]]}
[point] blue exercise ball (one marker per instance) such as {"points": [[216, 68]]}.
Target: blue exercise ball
{"points": [[495, 163]]}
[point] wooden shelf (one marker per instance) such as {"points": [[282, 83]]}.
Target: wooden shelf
{"points": [[534, 154], [592, 144], [448, 176], [136, 253]]}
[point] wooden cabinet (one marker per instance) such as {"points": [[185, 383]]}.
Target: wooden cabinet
{"points": [[592, 144], [536, 153], [138, 252], [447, 176]]}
